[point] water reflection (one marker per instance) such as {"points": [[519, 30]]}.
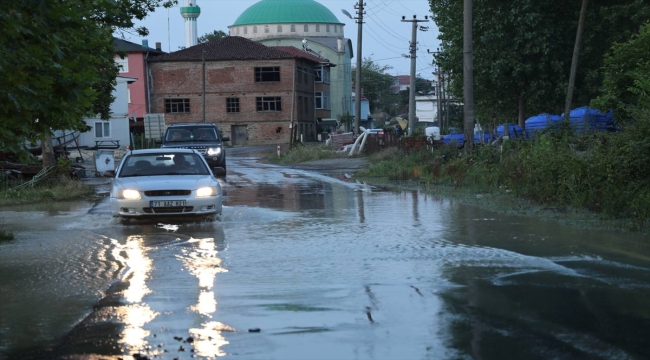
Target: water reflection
{"points": [[203, 262], [208, 340], [135, 316]]}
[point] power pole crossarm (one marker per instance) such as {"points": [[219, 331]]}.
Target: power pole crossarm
{"points": [[412, 49]]}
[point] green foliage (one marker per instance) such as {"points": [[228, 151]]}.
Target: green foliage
{"points": [[376, 84], [305, 153], [215, 34], [64, 188], [58, 63], [523, 49], [626, 83], [602, 172]]}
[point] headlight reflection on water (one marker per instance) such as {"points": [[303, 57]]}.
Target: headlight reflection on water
{"points": [[203, 262], [208, 340], [134, 257]]}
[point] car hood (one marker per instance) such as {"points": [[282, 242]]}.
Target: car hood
{"points": [[165, 183], [191, 144]]}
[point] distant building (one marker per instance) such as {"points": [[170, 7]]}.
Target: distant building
{"points": [[252, 91], [133, 65], [402, 82], [310, 26]]}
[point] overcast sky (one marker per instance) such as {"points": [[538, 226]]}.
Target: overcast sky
{"points": [[385, 36]]}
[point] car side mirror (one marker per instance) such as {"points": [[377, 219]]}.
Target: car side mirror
{"points": [[225, 138], [109, 173], [157, 141]]}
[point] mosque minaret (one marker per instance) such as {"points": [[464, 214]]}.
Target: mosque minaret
{"points": [[190, 12]]}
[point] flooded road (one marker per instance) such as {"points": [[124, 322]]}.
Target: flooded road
{"points": [[306, 266]]}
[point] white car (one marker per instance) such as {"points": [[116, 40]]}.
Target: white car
{"points": [[151, 182]]}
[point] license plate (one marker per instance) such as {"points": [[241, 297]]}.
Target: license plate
{"points": [[167, 203]]}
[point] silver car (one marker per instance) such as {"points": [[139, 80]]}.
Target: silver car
{"points": [[164, 182]]}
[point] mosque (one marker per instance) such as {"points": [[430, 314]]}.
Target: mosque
{"points": [[304, 24]]}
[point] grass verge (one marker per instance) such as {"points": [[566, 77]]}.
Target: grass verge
{"points": [[62, 188]]}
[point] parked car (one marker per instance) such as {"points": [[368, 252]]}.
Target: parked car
{"points": [[163, 182], [203, 137]]}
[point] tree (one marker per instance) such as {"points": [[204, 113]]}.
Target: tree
{"points": [[626, 76], [522, 51], [376, 85], [58, 64], [215, 34]]}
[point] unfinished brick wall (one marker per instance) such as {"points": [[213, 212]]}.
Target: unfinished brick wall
{"points": [[233, 79]]}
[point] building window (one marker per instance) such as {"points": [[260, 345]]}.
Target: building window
{"points": [[269, 103], [306, 28], [327, 27], [279, 28], [322, 75], [267, 74], [317, 27], [293, 28], [300, 107], [102, 129], [266, 29], [177, 105], [232, 105], [322, 100], [123, 64], [254, 29], [245, 30]]}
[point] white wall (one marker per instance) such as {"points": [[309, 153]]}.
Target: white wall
{"points": [[117, 127], [426, 108]]}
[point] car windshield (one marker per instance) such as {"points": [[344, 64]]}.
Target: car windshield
{"points": [[159, 164], [192, 133]]}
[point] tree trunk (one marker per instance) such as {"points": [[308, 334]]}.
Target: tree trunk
{"points": [[468, 78], [522, 111], [574, 61], [47, 151]]}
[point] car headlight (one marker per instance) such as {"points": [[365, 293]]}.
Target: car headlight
{"points": [[214, 151], [206, 191], [129, 194]]}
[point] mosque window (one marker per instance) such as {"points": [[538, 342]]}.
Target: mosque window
{"points": [[254, 29], [317, 27], [279, 28], [306, 28], [266, 29], [293, 28], [327, 28]]}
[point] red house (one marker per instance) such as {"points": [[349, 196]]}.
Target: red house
{"points": [[133, 65]]}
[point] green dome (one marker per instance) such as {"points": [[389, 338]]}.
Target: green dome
{"points": [[286, 11]]}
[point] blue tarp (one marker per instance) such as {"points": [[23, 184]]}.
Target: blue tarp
{"points": [[541, 121], [516, 132], [581, 119], [458, 138]]}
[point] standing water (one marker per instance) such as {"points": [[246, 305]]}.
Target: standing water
{"points": [[305, 266]]}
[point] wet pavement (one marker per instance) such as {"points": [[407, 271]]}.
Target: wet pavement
{"points": [[304, 265]]}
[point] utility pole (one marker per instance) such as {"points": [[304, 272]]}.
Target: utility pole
{"points": [[412, 49], [357, 83], [440, 86], [203, 90], [468, 77], [574, 61]]}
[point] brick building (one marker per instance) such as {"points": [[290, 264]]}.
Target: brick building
{"points": [[253, 92]]}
